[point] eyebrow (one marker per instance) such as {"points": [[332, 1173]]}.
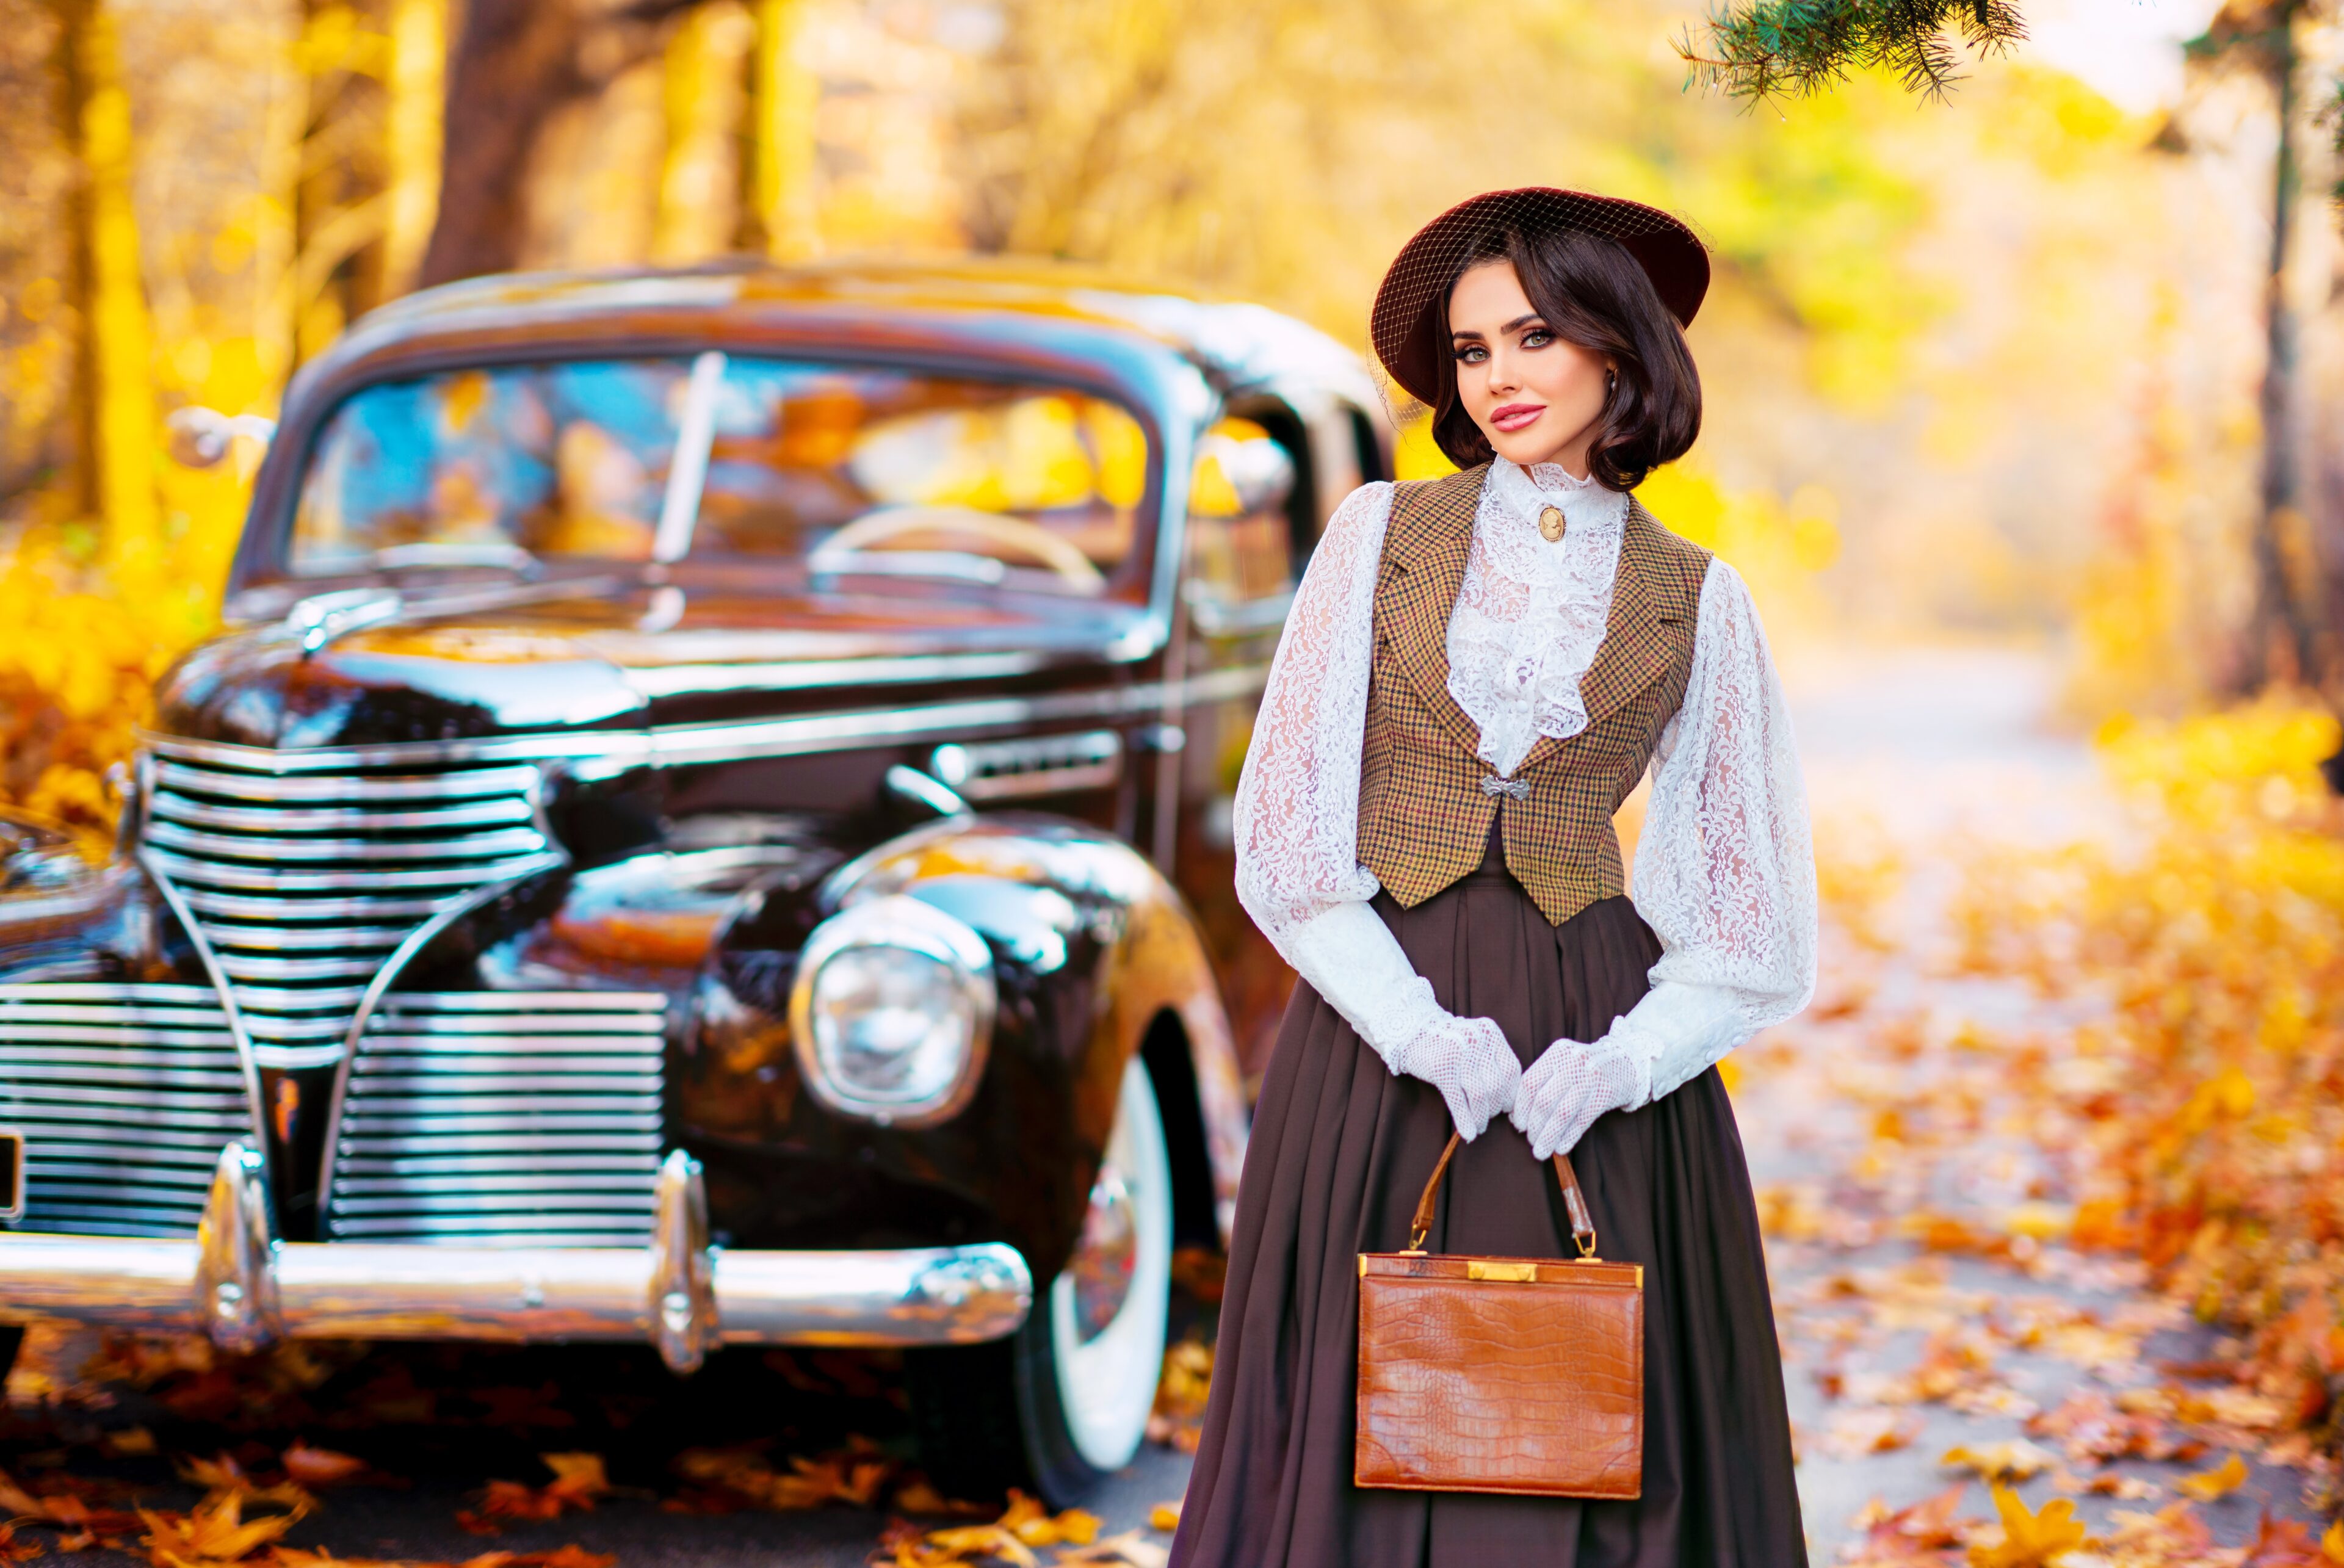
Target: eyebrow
{"points": [[1517, 322]]}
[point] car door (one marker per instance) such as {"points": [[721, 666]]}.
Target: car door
{"points": [[1269, 475]]}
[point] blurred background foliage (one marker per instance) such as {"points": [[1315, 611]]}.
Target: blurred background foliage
{"points": [[1989, 367]]}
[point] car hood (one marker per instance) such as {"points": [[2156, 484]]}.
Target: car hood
{"points": [[606, 658]]}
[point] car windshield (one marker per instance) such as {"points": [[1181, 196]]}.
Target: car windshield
{"points": [[844, 470]]}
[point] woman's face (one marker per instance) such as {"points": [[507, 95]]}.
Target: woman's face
{"points": [[1536, 396]]}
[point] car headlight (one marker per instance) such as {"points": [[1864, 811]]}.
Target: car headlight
{"points": [[891, 1012]]}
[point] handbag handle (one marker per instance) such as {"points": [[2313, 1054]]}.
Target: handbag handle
{"points": [[1574, 1202]]}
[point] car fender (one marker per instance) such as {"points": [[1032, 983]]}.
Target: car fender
{"points": [[1096, 961], [1153, 962]]}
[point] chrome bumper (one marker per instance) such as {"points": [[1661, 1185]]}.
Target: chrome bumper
{"points": [[243, 1288]]}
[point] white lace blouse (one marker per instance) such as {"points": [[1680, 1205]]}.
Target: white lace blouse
{"points": [[1724, 869]]}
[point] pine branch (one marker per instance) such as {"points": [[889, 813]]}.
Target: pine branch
{"points": [[1764, 49]]}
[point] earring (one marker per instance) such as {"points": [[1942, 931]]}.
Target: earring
{"points": [[1611, 382]]}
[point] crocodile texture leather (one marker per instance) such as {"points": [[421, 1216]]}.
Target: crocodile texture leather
{"points": [[1514, 1375]]}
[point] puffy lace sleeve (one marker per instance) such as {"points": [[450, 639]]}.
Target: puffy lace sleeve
{"points": [[1296, 814], [1725, 868], [1297, 826]]}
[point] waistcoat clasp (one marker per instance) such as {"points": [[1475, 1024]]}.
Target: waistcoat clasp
{"points": [[1515, 789]]}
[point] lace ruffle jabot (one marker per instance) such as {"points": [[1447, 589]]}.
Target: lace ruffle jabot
{"points": [[1530, 613], [1724, 868]]}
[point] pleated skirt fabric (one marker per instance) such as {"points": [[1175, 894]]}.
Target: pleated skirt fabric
{"points": [[1340, 1152]]}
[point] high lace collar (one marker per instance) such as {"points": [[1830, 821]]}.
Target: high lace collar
{"points": [[1521, 493], [1531, 612]]}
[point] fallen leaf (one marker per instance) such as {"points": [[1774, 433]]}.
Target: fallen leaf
{"points": [[578, 1478], [1916, 1533], [130, 1442], [579, 1481], [1129, 1549], [2030, 1540], [1165, 1516], [2219, 1482], [214, 1530], [570, 1557], [2129, 1487], [918, 1495], [1034, 1525], [316, 1467], [1869, 1429], [2283, 1543], [979, 1541], [2014, 1458], [855, 1475]]}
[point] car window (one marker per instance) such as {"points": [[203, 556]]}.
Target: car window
{"points": [[876, 472]]}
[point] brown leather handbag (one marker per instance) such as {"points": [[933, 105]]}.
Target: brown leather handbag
{"points": [[1515, 1375]]}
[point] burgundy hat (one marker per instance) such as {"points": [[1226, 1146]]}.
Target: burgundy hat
{"points": [[1414, 292]]}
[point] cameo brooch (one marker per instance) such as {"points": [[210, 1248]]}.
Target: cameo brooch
{"points": [[1551, 525]]}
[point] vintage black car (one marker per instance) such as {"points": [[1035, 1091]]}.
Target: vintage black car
{"points": [[710, 824]]}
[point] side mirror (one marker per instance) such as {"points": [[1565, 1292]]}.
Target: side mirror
{"points": [[36, 858], [1240, 470], [199, 438]]}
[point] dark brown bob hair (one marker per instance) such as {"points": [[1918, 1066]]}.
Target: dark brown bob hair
{"points": [[1590, 291]]}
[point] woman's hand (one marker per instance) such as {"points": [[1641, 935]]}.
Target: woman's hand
{"points": [[1571, 1085], [1468, 1061]]}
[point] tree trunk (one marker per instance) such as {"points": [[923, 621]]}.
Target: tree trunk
{"points": [[2286, 648], [115, 396], [516, 64], [414, 89], [778, 214], [705, 93]]}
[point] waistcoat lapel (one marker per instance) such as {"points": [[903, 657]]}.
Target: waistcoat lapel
{"points": [[1639, 639], [1425, 547]]}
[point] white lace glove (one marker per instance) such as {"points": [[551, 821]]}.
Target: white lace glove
{"points": [[1572, 1084], [1467, 1060], [1350, 958]]}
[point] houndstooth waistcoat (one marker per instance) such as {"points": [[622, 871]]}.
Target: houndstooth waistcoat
{"points": [[1424, 814]]}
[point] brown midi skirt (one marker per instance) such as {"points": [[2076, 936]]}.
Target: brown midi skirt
{"points": [[1340, 1150]]}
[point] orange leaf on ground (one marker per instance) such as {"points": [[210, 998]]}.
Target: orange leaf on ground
{"points": [[918, 1495], [578, 1481], [1034, 1525], [1129, 1549], [854, 1475], [2014, 1458], [2283, 1543], [214, 1530], [315, 1467], [2030, 1540], [2219, 1482], [578, 1478], [571, 1556], [1916, 1534], [972, 1540]]}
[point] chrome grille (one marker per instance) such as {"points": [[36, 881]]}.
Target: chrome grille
{"points": [[488, 1116], [124, 1095], [304, 885]]}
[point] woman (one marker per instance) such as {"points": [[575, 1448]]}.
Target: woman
{"points": [[1477, 671]]}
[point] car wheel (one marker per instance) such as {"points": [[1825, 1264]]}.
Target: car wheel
{"points": [[1065, 1402]]}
